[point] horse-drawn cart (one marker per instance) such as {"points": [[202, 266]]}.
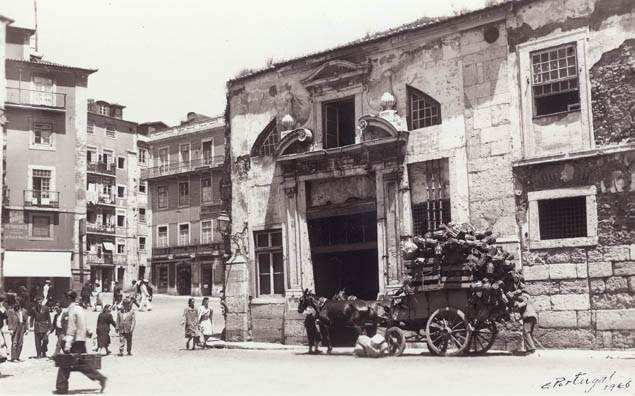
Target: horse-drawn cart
{"points": [[442, 317], [458, 285]]}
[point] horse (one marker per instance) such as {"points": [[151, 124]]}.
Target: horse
{"points": [[342, 313]]}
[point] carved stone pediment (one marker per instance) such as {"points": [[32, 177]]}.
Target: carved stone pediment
{"points": [[336, 73], [381, 127], [295, 141]]}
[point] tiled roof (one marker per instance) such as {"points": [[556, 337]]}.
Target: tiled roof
{"points": [[421, 23], [51, 64]]}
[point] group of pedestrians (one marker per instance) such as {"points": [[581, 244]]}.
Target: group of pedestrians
{"points": [[198, 324]]}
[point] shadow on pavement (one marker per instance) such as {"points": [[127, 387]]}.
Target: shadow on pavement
{"points": [[83, 392], [5, 376]]}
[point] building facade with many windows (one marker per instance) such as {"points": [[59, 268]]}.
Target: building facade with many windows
{"points": [[45, 138], [183, 169], [116, 220], [513, 118]]}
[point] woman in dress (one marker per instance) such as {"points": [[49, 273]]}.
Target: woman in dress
{"points": [[190, 320], [104, 321], [205, 320]]}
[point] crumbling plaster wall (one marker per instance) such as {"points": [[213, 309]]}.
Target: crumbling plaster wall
{"points": [[609, 24]]}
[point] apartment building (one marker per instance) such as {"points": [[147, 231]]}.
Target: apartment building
{"points": [[4, 22], [515, 118], [184, 166], [45, 158], [116, 219]]}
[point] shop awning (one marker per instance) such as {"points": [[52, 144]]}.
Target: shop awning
{"points": [[109, 246], [37, 264]]}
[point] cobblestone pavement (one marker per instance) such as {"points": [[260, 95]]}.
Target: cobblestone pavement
{"points": [[161, 365]]}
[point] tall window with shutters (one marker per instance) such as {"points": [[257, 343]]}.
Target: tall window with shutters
{"points": [[430, 195], [269, 262], [338, 123]]}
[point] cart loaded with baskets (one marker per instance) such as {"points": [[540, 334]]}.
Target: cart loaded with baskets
{"points": [[459, 285]]}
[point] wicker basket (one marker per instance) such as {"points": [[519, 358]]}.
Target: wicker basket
{"points": [[78, 361]]}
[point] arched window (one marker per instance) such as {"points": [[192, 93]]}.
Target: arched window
{"points": [[423, 111], [267, 141]]}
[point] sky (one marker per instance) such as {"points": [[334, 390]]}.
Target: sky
{"points": [[162, 59]]}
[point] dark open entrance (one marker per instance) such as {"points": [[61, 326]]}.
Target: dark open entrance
{"points": [[344, 255], [184, 279]]}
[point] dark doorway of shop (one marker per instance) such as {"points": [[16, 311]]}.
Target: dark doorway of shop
{"points": [[184, 279]]}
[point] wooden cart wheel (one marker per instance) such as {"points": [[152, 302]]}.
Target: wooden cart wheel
{"points": [[482, 337], [447, 332], [396, 339]]}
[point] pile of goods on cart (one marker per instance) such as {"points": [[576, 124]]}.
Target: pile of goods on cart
{"points": [[459, 256]]}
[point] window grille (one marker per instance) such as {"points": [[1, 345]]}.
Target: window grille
{"points": [[423, 110], [429, 186], [562, 218]]}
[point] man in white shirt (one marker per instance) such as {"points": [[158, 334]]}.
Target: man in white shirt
{"points": [[75, 343]]}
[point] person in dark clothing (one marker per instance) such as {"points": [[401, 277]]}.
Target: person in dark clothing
{"points": [[18, 325], [41, 325], [104, 321], [87, 291], [23, 297], [75, 342], [59, 327], [117, 296]]}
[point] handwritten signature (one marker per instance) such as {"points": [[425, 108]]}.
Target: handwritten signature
{"points": [[589, 382]]}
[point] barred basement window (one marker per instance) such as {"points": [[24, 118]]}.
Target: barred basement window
{"points": [[423, 111], [429, 191], [269, 262], [554, 80], [267, 141], [562, 218]]}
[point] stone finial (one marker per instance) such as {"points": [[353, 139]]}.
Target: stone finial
{"points": [[387, 101], [288, 122]]}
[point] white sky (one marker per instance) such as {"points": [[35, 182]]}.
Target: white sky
{"points": [[164, 58]]}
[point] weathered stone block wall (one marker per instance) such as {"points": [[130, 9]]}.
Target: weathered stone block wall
{"points": [[585, 297]]}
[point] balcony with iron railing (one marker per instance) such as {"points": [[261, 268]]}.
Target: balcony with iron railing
{"points": [[102, 168], [97, 228], [106, 259], [21, 97], [174, 168], [41, 198]]}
